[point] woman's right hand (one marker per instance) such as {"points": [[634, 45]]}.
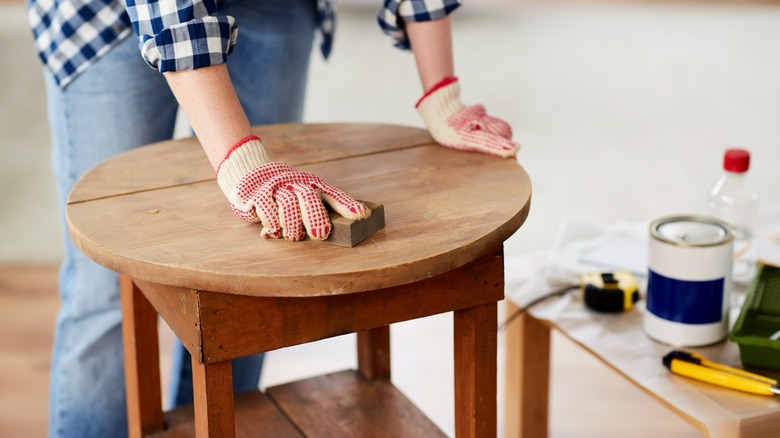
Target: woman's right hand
{"points": [[288, 202]]}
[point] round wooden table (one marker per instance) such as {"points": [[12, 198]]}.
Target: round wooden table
{"points": [[157, 216]]}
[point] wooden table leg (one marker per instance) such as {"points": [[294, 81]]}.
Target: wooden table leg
{"points": [[476, 352], [527, 376], [212, 387], [374, 353], [142, 361]]}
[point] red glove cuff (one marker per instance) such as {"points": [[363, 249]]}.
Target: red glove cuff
{"points": [[441, 84], [236, 146]]}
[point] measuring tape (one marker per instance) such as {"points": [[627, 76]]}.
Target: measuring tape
{"points": [[609, 291]]}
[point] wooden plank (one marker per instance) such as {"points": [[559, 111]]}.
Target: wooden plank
{"points": [[374, 353], [178, 307], [512, 364], [760, 427], [534, 376], [256, 417], [476, 352], [142, 361], [183, 161], [235, 325], [744, 412], [344, 405], [527, 376], [304, 144], [212, 387]]}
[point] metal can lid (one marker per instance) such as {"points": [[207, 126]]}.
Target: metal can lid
{"points": [[692, 231]]}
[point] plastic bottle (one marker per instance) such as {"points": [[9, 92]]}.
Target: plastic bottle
{"points": [[734, 200]]}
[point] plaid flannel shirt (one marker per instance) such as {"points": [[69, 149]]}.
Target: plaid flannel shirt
{"points": [[70, 35], [395, 13]]}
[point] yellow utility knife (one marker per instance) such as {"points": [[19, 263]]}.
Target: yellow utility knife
{"points": [[697, 367]]}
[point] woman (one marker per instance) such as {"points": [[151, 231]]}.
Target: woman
{"points": [[104, 99]]}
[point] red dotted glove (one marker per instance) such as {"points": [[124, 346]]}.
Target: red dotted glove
{"points": [[285, 200], [466, 128]]}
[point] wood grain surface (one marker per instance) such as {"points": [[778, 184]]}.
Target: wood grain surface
{"points": [[255, 414], [343, 404], [157, 214]]}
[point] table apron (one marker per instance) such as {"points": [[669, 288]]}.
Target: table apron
{"points": [[216, 327]]}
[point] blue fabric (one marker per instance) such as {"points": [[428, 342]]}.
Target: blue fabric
{"points": [[685, 301], [132, 105]]}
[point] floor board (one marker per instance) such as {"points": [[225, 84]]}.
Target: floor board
{"points": [[28, 308]]}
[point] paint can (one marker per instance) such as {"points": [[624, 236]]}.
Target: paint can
{"points": [[689, 280]]}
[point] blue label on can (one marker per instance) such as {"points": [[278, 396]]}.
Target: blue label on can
{"points": [[685, 301]]}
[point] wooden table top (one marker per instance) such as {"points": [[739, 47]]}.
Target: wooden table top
{"points": [[156, 213]]}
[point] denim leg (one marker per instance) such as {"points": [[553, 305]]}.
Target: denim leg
{"points": [[269, 69], [117, 104], [270, 62]]}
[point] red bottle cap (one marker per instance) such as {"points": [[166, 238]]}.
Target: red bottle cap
{"points": [[736, 160]]}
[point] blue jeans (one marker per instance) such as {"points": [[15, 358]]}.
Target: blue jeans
{"points": [[117, 104]]}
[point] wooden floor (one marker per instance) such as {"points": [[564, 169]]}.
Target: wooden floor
{"points": [[28, 309]]}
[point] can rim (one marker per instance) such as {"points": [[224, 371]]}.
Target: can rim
{"points": [[728, 228]]}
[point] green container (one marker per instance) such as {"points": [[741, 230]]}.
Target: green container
{"points": [[759, 320]]}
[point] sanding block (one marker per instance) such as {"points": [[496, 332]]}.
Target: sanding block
{"points": [[345, 232]]}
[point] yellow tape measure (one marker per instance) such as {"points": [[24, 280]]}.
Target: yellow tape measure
{"points": [[609, 291]]}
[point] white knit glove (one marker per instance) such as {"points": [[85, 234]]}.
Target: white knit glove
{"points": [[283, 199], [466, 128]]}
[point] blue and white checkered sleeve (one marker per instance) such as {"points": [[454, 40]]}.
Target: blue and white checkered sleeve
{"points": [[177, 35], [395, 13]]}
